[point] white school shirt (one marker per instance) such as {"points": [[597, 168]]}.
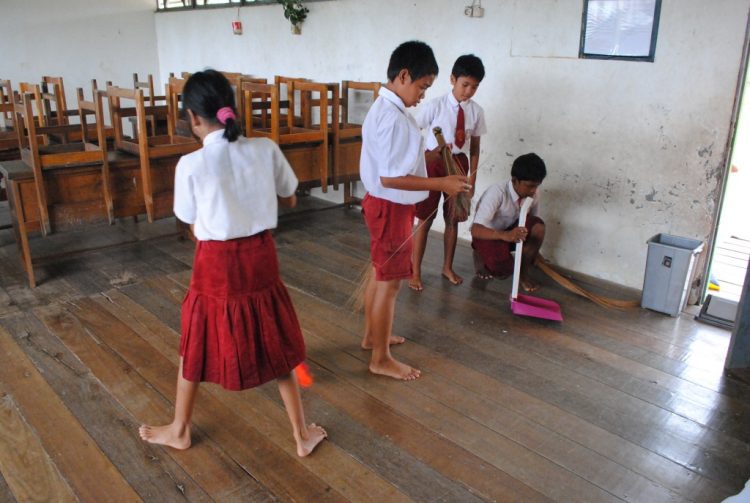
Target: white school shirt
{"points": [[228, 189], [498, 207], [443, 112], [392, 146]]}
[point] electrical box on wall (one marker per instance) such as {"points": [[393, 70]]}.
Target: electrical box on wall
{"points": [[474, 10], [237, 27]]}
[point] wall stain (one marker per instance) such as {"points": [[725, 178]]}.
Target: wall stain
{"points": [[652, 196]]}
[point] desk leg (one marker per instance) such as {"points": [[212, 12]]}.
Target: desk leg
{"points": [[19, 228]]}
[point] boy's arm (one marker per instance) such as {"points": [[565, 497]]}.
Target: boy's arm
{"points": [[288, 202], [451, 185], [479, 231]]}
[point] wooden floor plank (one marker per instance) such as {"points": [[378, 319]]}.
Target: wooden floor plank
{"points": [[284, 475], [208, 473], [28, 470], [88, 471]]}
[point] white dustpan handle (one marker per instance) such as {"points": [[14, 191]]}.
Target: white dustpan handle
{"points": [[525, 205]]}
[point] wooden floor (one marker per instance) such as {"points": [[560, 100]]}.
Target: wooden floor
{"points": [[606, 406]]}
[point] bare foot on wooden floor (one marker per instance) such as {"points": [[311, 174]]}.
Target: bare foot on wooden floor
{"points": [[415, 283], [392, 341], [313, 436], [395, 369], [481, 270], [452, 277], [528, 285], [172, 435]]}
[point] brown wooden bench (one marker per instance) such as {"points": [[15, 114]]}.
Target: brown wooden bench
{"points": [[73, 197]]}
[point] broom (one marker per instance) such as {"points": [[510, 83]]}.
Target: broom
{"points": [[605, 302], [459, 205]]}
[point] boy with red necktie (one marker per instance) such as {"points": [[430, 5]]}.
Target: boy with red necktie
{"points": [[462, 122]]}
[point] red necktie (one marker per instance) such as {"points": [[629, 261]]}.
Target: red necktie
{"points": [[460, 137]]}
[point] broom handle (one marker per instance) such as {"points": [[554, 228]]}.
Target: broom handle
{"points": [[519, 248]]}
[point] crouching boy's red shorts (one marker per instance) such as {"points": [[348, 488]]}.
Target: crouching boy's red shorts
{"points": [[390, 225], [495, 254]]}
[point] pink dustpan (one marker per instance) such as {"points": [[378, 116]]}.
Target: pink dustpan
{"points": [[526, 305]]}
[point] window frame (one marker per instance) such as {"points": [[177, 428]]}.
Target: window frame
{"points": [[652, 49], [194, 5]]}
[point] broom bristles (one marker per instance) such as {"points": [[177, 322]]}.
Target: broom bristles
{"points": [[605, 302], [356, 301]]}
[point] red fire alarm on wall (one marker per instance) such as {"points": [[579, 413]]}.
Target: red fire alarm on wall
{"points": [[237, 27]]}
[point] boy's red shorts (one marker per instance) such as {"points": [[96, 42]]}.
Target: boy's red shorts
{"points": [[495, 253], [390, 226], [427, 209]]}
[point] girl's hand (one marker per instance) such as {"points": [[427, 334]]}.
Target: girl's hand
{"points": [[455, 184]]}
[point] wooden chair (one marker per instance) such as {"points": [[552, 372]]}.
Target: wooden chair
{"points": [[8, 137], [94, 137], [43, 156], [347, 133], [6, 105], [156, 123], [56, 112], [306, 148], [160, 151]]}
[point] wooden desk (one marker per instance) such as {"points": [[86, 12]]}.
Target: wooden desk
{"points": [[75, 196]]}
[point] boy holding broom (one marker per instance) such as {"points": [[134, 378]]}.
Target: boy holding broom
{"points": [[392, 169]]}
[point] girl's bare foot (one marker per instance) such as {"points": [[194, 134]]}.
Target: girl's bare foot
{"points": [[311, 438], [392, 341], [452, 276], [395, 369], [172, 435]]}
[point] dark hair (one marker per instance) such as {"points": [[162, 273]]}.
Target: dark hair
{"points": [[529, 167], [205, 93], [414, 56], [468, 65]]}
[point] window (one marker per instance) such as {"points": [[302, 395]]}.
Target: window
{"points": [[162, 5], [620, 29]]}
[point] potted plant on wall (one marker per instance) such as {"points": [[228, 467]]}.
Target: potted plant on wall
{"points": [[296, 13]]}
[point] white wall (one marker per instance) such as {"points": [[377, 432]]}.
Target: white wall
{"points": [[78, 40]]}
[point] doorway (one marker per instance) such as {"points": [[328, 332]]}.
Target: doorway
{"points": [[731, 247]]}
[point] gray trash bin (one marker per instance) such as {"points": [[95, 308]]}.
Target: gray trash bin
{"points": [[669, 268]]}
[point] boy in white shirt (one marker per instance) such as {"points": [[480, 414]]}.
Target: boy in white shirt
{"points": [[392, 169], [495, 226], [462, 122]]}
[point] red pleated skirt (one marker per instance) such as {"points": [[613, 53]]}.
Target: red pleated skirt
{"points": [[239, 327]]}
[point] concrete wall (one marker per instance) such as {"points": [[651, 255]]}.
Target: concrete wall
{"points": [[632, 148], [78, 40]]}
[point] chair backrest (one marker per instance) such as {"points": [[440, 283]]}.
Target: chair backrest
{"points": [[177, 121], [53, 98], [6, 103], [92, 137], [261, 102], [349, 88]]}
